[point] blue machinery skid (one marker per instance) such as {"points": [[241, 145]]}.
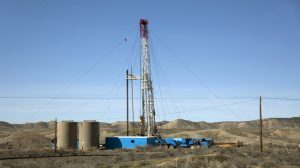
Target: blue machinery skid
{"points": [[131, 142]]}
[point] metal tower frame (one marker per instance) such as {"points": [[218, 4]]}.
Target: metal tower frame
{"points": [[148, 111]]}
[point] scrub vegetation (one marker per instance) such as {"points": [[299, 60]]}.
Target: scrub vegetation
{"points": [[30, 143]]}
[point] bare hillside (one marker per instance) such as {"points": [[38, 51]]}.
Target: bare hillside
{"points": [[280, 135], [185, 124], [281, 129]]}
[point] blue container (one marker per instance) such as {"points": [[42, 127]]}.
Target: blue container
{"points": [[128, 142]]}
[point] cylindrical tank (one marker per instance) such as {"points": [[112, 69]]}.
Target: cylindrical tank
{"points": [[88, 135], [66, 135]]}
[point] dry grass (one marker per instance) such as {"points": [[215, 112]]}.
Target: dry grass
{"points": [[246, 156], [35, 142]]}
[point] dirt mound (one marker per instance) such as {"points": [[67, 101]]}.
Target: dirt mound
{"points": [[293, 134], [185, 124], [238, 126], [38, 125], [27, 140], [272, 123], [180, 124], [161, 123], [275, 123], [226, 124], [4, 125], [120, 125], [248, 125], [104, 125], [205, 125], [27, 126], [51, 125]]}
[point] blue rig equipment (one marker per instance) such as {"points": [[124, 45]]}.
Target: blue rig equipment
{"points": [[132, 142]]}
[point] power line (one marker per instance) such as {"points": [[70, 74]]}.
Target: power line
{"points": [[281, 98], [122, 98], [212, 107]]}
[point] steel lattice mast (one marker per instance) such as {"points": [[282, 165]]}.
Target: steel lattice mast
{"points": [[148, 111]]}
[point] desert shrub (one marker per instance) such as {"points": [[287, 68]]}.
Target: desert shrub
{"points": [[245, 156], [157, 155], [191, 161]]}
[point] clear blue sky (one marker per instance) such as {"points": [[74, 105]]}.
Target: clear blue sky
{"points": [[64, 48]]}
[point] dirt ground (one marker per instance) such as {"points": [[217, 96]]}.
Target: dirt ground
{"points": [[246, 156], [34, 143]]}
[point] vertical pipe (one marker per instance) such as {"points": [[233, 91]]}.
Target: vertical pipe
{"points": [[55, 136], [261, 125], [127, 102]]}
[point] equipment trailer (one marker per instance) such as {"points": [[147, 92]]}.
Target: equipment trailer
{"points": [[186, 142]]}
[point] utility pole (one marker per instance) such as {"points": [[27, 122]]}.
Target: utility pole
{"points": [[55, 136], [127, 103], [261, 125], [132, 104], [129, 77]]}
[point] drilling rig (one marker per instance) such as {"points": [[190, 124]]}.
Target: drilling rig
{"points": [[149, 134], [148, 111]]}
